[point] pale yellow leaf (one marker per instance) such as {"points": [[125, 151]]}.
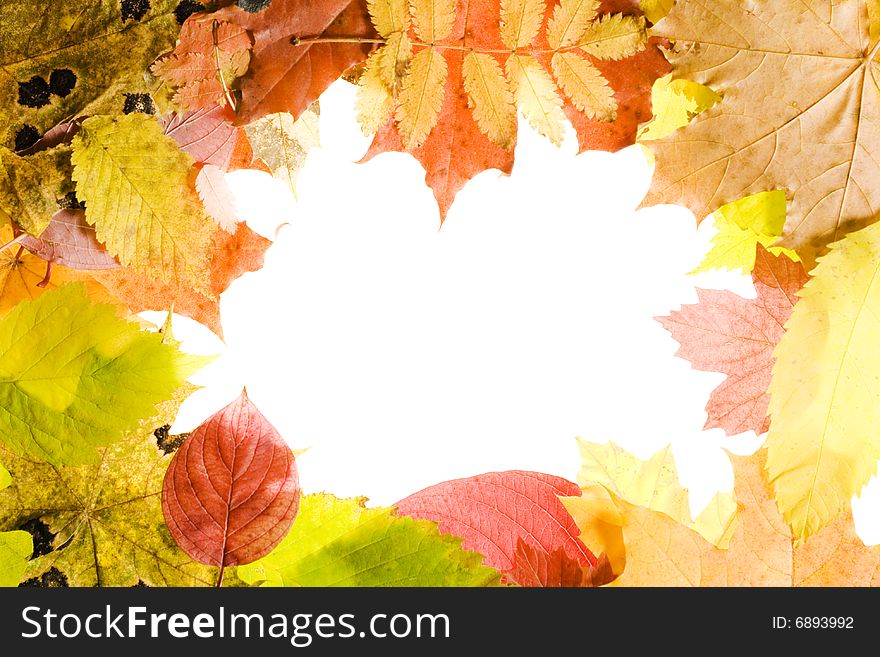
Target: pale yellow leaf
{"points": [[614, 37], [433, 19], [674, 103], [389, 16], [392, 61], [492, 102], [375, 104], [421, 97], [536, 96], [520, 22], [569, 21], [600, 522], [584, 85], [823, 443]]}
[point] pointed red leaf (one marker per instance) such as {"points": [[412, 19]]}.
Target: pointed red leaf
{"points": [[205, 134], [231, 491], [727, 333], [68, 240], [538, 569], [493, 512]]}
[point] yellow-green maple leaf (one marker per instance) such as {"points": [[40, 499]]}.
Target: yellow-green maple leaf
{"points": [[108, 516], [139, 194], [823, 443], [341, 542], [742, 225], [74, 377], [101, 50]]}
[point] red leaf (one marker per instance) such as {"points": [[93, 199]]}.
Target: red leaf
{"points": [[539, 569], [493, 512], [205, 134], [231, 491], [727, 333], [68, 240], [288, 78]]}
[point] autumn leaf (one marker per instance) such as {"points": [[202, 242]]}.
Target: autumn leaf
{"points": [[5, 477], [231, 491], [811, 65], [206, 135], [209, 56], [16, 548], [68, 240], [283, 143], [136, 185], [587, 62], [727, 333], [824, 399], [342, 542], [662, 552], [742, 225], [492, 512], [231, 256], [32, 186], [674, 103], [66, 58], [654, 484], [534, 568], [291, 64], [106, 518], [75, 377]]}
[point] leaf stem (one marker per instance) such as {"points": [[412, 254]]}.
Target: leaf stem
{"points": [[14, 241], [873, 53], [220, 576]]}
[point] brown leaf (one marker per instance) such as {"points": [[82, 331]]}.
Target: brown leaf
{"points": [[534, 568], [231, 491]]}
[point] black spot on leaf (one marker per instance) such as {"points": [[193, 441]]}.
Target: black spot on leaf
{"points": [[166, 442], [26, 137], [52, 578], [253, 6], [138, 103], [134, 9], [62, 81], [141, 585], [71, 202], [186, 9], [34, 92], [43, 538]]}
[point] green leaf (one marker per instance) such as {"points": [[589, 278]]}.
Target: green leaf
{"points": [[139, 191], [98, 57], [5, 477], [16, 548], [31, 186], [107, 516], [340, 542], [73, 376], [742, 225]]}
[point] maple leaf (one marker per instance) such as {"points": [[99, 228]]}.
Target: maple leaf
{"points": [[231, 256], [208, 58], [106, 518], [231, 491], [824, 400], [762, 552], [456, 108], [50, 51], [288, 72], [493, 511], [342, 542], [654, 484], [727, 333], [136, 185], [742, 225], [74, 377], [812, 66]]}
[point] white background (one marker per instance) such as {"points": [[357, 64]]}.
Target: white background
{"points": [[400, 354]]}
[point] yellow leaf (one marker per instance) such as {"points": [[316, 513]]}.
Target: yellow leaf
{"points": [[421, 97], [392, 61], [283, 142], [31, 186], [433, 19], [674, 103], [742, 225], [614, 37], [654, 484], [520, 22], [601, 524], [137, 187], [654, 10], [389, 16], [873, 18], [536, 96], [825, 392], [492, 102], [569, 21], [375, 104], [584, 84]]}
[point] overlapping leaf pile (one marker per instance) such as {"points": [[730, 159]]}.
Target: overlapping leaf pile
{"points": [[119, 123]]}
